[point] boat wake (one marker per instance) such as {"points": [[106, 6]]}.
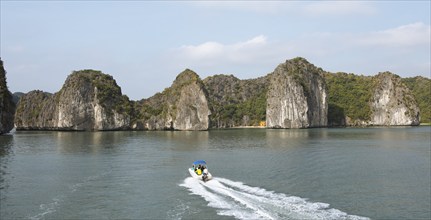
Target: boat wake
{"points": [[236, 199]]}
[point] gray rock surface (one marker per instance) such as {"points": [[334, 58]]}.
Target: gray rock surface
{"points": [[88, 100], [183, 106], [293, 96], [296, 96], [392, 103]]}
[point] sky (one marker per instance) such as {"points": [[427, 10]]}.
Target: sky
{"points": [[144, 45]]}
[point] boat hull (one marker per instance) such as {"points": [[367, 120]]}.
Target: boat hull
{"points": [[199, 177]]}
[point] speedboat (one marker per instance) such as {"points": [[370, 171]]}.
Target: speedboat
{"points": [[199, 171]]}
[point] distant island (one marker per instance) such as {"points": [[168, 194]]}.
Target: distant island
{"points": [[296, 94]]}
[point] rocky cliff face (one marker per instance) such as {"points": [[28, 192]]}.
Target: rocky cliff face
{"points": [[236, 102], [296, 96], [392, 102], [191, 109], [183, 106], [36, 110], [91, 100], [7, 106], [88, 100]]}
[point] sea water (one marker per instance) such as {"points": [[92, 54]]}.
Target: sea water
{"points": [[351, 173]]}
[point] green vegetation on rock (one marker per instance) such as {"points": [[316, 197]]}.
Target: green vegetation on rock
{"points": [[162, 107], [34, 108], [108, 92], [421, 89], [349, 95], [234, 102], [229, 101]]}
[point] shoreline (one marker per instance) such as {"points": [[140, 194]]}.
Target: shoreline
{"points": [[237, 127]]}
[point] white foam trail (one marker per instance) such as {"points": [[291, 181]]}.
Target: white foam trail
{"points": [[245, 202]]}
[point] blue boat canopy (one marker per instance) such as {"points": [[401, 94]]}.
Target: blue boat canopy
{"points": [[201, 162]]}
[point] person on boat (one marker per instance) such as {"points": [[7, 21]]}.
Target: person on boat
{"points": [[199, 170], [205, 173]]}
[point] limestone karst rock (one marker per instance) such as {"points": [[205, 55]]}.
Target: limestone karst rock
{"points": [[392, 102], [183, 106], [191, 108], [88, 100], [420, 87], [296, 96], [235, 102], [7, 106], [381, 100]]}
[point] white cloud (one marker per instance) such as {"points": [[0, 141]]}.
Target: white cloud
{"points": [[259, 40], [207, 50], [406, 35], [396, 49], [215, 52]]}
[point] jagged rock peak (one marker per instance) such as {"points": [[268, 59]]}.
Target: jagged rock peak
{"points": [[299, 60], [88, 75], [88, 100], [392, 102], [92, 100], [2, 76], [299, 63], [103, 82], [36, 110], [183, 106], [7, 106], [386, 75], [221, 85], [189, 110], [186, 77], [297, 96]]}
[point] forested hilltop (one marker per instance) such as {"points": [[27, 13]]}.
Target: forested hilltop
{"points": [[296, 94], [234, 102], [421, 89], [350, 96]]}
